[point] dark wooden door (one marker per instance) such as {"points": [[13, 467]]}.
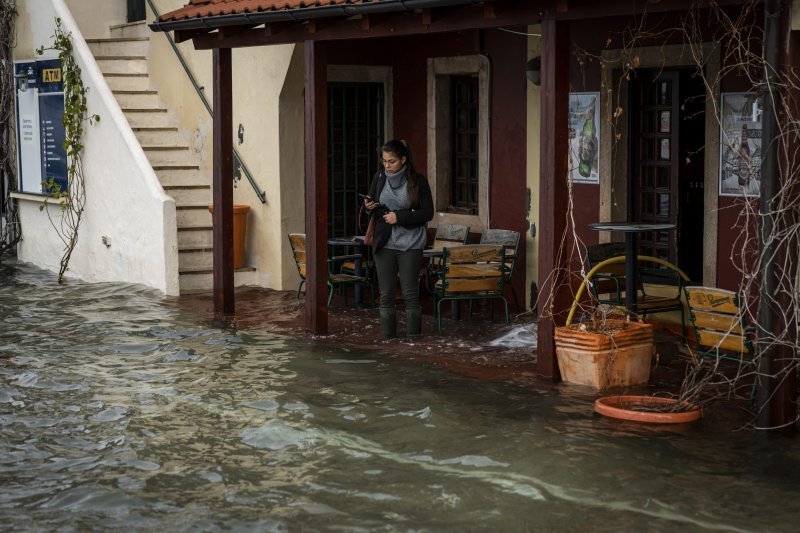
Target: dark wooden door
{"points": [[655, 174], [667, 164], [355, 135]]}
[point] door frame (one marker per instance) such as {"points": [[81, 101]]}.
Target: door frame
{"points": [[614, 167]]}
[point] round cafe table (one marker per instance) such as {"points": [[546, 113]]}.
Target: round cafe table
{"points": [[631, 230]]}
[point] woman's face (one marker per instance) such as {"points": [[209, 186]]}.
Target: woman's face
{"points": [[392, 163]]}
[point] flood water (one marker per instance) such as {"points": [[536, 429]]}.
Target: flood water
{"points": [[120, 411]]}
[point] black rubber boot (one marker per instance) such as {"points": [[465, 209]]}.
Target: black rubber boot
{"points": [[414, 322], [388, 323]]}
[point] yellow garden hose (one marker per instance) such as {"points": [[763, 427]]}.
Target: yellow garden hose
{"points": [[618, 259]]}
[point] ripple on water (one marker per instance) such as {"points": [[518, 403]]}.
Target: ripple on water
{"points": [[276, 435]]}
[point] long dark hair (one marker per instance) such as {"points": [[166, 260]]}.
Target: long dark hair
{"points": [[400, 148]]}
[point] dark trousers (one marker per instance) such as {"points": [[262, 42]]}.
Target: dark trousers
{"points": [[388, 263]]}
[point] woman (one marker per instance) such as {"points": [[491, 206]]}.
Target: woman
{"points": [[401, 201]]}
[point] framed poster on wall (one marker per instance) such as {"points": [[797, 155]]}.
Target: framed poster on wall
{"points": [[740, 145], [584, 143]]}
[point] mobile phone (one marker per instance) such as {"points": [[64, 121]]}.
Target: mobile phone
{"points": [[365, 197]]}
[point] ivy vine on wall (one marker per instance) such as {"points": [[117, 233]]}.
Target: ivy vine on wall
{"points": [[71, 201]]}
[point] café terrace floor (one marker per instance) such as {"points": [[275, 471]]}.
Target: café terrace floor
{"points": [[477, 347]]}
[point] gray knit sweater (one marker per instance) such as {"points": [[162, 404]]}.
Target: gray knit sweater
{"points": [[394, 196]]}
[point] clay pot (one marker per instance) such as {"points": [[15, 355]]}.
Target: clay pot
{"points": [[650, 409], [616, 357]]}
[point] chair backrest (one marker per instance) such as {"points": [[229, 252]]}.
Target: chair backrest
{"points": [[298, 242], [473, 268], [449, 234], [509, 239], [717, 319], [611, 278], [600, 252]]}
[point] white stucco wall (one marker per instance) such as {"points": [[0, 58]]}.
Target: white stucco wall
{"points": [[259, 76], [125, 201], [95, 17]]}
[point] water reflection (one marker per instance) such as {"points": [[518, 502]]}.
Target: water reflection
{"points": [[119, 411]]}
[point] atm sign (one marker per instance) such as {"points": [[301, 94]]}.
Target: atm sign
{"points": [[51, 75]]}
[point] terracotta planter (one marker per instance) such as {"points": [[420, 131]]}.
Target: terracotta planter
{"points": [[239, 232], [649, 409], [616, 358]]}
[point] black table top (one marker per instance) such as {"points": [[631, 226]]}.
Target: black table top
{"points": [[357, 240], [630, 227]]}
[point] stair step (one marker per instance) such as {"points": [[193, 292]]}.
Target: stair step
{"points": [[117, 39], [123, 46], [189, 194], [194, 249], [120, 58], [127, 82], [195, 258], [144, 109], [158, 135], [195, 236], [122, 65], [152, 118], [192, 216], [164, 156], [197, 283], [130, 29], [137, 99], [175, 175]]}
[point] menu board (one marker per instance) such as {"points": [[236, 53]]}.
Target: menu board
{"points": [[40, 127]]}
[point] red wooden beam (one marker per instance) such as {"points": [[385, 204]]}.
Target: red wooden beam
{"points": [[553, 196], [223, 184], [316, 141], [497, 14]]}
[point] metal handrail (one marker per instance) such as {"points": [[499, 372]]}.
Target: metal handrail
{"points": [[239, 162]]}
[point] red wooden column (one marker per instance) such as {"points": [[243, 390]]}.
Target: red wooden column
{"points": [[552, 187], [316, 138], [223, 184]]}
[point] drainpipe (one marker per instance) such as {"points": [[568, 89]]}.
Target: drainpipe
{"points": [[769, 205]]}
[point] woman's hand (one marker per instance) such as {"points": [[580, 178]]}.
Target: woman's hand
{"points": [[370, 205], [390, 217]]}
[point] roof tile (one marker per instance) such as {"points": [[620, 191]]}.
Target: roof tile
{"points": [[212, 8]]}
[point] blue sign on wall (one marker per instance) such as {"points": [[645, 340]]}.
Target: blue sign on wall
{"points": [[40, 126]]}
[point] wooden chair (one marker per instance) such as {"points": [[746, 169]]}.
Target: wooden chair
{"points": [[509, 239], [719, 325], [335, 280], [609, 283], [449, 234], [446, 235], [470, 272]]}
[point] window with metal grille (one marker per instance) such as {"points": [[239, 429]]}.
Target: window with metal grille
{"points": [[136, 11], [464, 142]]}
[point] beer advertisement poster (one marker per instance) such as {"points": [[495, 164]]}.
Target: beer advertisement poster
{"points": [[584, 131], [740, 145]]}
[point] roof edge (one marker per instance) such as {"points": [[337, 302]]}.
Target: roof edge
{"points": [[305, 13]]}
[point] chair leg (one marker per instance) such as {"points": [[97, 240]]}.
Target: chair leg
{"points": [[439, 315], [516, 302], [299, 288], [330, 294], [505, 307], [683, 324]]}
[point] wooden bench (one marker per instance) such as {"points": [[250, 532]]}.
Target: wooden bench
{"points": [[719, 325]]}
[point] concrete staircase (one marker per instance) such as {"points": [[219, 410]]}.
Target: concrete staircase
{"points": [[123, 60]]}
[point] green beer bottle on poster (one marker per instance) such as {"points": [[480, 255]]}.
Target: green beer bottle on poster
{"points": [[587, 143]]}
